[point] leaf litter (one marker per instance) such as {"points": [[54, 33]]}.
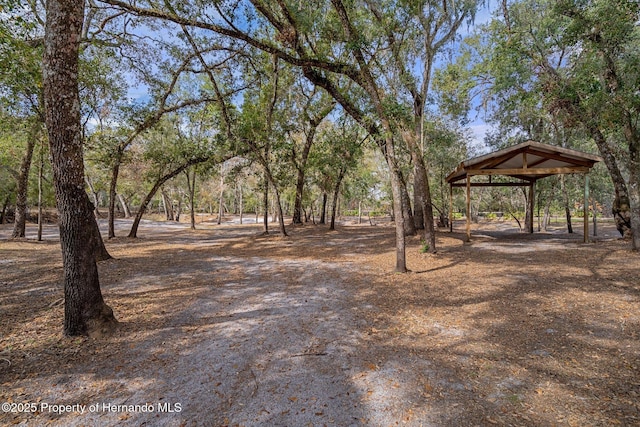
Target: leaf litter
{"points": [[225, 326]]}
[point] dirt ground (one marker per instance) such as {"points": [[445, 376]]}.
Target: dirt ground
{"points": [[221, 326]]}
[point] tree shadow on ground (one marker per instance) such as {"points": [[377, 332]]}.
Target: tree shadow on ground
{"points": [[246, 333]]}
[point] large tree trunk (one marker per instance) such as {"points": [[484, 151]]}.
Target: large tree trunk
{"points": [[634, 190], [621, 208], [85, 310], [422, 191], [396, 182], [19, 226]]}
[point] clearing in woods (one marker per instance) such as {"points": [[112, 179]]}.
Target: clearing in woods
{"points": [[221, 326]]}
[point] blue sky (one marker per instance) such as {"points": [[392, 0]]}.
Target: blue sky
{"points": [[478, 126]]}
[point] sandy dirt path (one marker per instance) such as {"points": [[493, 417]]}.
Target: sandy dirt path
{"points": [[223, 327]]}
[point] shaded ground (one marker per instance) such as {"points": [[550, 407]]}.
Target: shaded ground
{"points": [[226, 327]]}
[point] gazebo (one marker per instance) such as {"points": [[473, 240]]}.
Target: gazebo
{"points": [[525, 163]]}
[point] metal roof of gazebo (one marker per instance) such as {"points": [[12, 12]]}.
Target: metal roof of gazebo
{"points": [[526, 162]]}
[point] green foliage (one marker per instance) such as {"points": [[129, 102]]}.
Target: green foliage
{"points": [[337, 152], [424, 246]]}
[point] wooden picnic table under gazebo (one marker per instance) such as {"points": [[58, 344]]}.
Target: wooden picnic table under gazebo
{"points": [[525, 163]]}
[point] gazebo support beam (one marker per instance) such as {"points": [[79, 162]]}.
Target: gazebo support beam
{"points": [[492, 184], [528, 171]]}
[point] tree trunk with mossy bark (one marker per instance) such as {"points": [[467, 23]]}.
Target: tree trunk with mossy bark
{"points": [[85, 310]]}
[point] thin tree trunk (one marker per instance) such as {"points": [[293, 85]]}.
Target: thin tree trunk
{"points": [[115, 171], [168, 205], [547, 214], [283, 230], [278, 207], [5, 205], [297, 205], [301, 165], [265, 203], [94, 194], [241, 204], [396, 183], [85, 309], [324, 207], [565, 201], [221, 199], [546, 218], [191, 186], [19, 225], [125, 206], [145, 203], [547, 206], [274, 210], [418, 191], [336, 192], [634, 193], [40, 173]]}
